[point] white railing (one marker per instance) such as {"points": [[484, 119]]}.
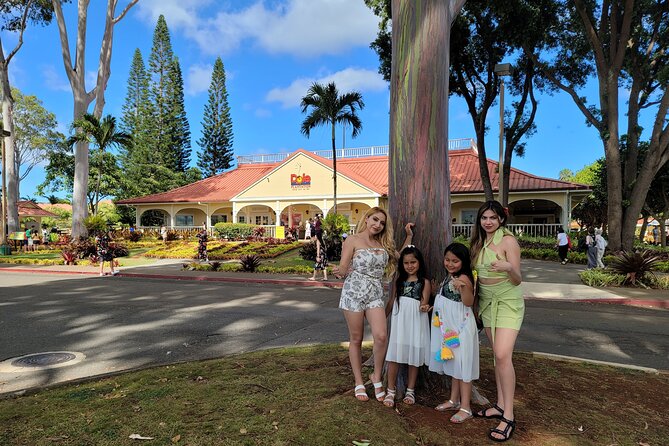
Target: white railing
{"points": [[457, 230], [354, 152], [528, 230]]}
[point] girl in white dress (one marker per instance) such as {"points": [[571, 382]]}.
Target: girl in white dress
{"points": [[454, 340], [409, 327]]}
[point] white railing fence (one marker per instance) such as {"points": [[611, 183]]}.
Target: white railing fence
{"points": [[353, 152], [457, 230], [528, 230]]}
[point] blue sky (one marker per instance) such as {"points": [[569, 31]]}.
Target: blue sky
{"points": [[272, 51]]}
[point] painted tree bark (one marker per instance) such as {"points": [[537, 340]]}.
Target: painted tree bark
{"points": [[418, 172], [76, 74]]}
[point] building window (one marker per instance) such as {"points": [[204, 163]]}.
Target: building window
{"points": [[184, 220], [468, 217], [241, 219], [219, 218]]}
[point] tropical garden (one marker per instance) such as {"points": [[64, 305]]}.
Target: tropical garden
{"points": [[148, 149]]}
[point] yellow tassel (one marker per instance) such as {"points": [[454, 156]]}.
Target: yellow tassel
{"points": [[435, 320], [446, 353]]}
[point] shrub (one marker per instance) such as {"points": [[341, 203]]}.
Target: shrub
{"points": [[83, 247], [95, 223], [249, 263], [635, 266], [172, 235], [234, 231], [134, 236], [601, 278], [259, 232], [70, 257], [336, 225]]}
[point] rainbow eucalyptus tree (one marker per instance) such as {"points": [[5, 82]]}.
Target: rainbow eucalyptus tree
{"points": [[418, 170]]}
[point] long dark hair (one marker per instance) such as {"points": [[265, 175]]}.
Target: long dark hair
{"points": [[403, 275], [461, 252], [478, 233]]}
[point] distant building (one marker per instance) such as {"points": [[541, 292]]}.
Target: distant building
{"points": [[268, 189]]}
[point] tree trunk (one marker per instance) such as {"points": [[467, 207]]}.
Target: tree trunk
{"points": [[82, 99], [418, 172], [10, 158], [483, 163], [334, 168]]}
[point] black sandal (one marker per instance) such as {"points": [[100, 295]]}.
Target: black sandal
{"points": [[507, 432], [482, 413]]}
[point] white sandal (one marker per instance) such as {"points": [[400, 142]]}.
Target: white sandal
{"points": [[379, 385], [389, 400], [410, 397], [457, 418], [448, 405], [360, 393]]}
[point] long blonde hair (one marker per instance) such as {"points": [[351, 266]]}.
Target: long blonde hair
{"points": [[386, 238]]}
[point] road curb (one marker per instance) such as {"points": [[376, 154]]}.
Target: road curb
{"points": [[594, 361]]}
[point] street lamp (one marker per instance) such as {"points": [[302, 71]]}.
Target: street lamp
{"points": [[501, 70], [3, 232]]}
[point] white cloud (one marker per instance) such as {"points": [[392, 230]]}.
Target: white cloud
{"points": [[297, 27], [348, 79], [54, 80], [263, 113], [198, 79]]}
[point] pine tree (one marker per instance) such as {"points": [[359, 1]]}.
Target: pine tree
{"points": [[217, 136], [137, 113], [160, 61], [178, 129]]}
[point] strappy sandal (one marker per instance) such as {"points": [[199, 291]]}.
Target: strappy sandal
{"points": [[361, 393], [389, 400], [507, 432], [410, 397], [457, 418], [379, 385], [448, 405], [483, 413]]}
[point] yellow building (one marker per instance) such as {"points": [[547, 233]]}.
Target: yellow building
{"points": [[287, 189]]}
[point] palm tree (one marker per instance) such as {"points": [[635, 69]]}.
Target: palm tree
{"points": [[328, 107], [104, 134]]}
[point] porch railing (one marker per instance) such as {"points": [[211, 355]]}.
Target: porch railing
{"points": [[353, 152], [457, 230], [529, 230]]}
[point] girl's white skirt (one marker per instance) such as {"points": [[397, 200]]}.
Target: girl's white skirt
{"points": [[409, 341]]}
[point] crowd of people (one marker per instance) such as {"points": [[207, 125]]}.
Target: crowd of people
{"points": [[489, 275]]}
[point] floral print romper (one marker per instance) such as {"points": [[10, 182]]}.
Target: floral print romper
{"points": [[362, 288]]}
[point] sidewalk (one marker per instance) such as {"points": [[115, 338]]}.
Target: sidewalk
{"points": [[542, 281]]}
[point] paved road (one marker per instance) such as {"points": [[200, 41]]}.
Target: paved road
{"points": [[122, 323]]}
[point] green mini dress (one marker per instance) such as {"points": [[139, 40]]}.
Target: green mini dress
{"points": [[501, 305]]}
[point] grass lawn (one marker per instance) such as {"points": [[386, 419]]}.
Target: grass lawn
{"points": [[303, 396]]}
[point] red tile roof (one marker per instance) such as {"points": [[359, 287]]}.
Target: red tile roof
{"points": [[371, 172], [221, 187], [30, 209]]}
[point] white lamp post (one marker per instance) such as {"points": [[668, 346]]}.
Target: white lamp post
{"points": [[501, 70]]}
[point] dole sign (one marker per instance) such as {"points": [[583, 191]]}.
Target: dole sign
{"points": [[300, 181]]}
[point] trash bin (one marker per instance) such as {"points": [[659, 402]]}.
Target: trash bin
{"points": [[5, 250]]}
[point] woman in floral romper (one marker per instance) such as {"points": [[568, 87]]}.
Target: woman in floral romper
{"points": [[367, 256]]}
